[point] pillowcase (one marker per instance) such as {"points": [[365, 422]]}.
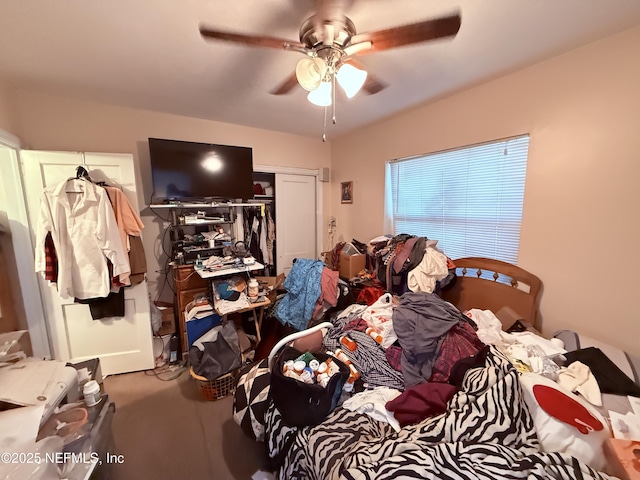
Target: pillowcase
{"points": [[556, 435], [629, 364]]}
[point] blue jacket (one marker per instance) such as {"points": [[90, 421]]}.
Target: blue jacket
{"points": [[303, 290]]}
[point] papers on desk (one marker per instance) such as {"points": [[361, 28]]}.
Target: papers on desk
{"points": [[197, 310], [224, 307]]}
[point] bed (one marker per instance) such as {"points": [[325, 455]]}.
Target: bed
{"points": [[487, 430]]}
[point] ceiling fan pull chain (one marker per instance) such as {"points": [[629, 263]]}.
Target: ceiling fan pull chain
{"points": [[324, 125], [333, 100]]}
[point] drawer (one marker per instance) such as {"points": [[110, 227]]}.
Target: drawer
{"points": [[186, 296], [186, 278]]}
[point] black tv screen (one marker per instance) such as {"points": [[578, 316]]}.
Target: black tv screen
{"points": [[190, 170]]}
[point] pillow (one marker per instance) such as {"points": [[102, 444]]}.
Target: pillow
{"points": [[629, 364], [557, 436], [251, 399]]}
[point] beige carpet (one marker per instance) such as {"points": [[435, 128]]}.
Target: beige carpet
{"points": [[166, 430]]}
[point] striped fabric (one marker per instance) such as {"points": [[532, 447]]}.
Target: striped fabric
{"points": [[369, 359], [487, 433]]}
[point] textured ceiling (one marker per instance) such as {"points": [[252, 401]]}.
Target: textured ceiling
{"points": [[149, 54]]}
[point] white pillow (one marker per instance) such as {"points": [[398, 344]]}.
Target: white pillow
{"points": [[558, 436]]}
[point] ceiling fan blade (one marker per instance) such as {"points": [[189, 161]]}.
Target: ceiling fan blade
{"points": [[372, 84], [253, 40], [408, 34], [286, 86]]}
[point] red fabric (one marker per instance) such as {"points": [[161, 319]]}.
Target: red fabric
{"points": [[421, 401], [358, 324], [370, 295], [566, 409], [394, 357], [460, 342], [51, 259]]}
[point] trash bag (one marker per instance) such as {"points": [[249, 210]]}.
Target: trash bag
{"points": [[216, 352]]}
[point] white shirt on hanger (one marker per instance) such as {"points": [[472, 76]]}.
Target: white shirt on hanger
{"points": [[84, 232]]}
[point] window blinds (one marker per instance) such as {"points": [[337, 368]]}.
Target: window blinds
{"points": [[469, 199]]}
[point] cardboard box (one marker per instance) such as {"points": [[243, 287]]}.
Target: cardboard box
{"points": [[15, 345], [351, 265], [93, 370], [168, 325], [623, 457], [271, 285]]}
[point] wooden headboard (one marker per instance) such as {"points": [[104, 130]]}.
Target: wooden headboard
{"points": [[470, 291]]}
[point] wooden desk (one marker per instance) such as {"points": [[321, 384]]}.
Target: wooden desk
{"points": [[257, 311], [214, 272]]}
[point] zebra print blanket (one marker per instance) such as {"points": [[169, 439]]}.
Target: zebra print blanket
{"points": [[487, 433]]}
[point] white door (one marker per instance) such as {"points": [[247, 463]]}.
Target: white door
{"points": [[295, 219], [123, 344]]}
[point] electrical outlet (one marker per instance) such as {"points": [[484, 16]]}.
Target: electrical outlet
{"points": [[166, 224]]}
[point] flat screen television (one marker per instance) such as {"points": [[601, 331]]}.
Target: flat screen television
{"points": [[191, 171]]}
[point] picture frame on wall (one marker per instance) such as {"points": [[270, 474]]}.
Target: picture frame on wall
{"points": [[346, 195]]}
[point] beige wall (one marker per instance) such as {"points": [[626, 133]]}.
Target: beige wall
{"points": [[54, 123], [8, 121], [581, 225]]}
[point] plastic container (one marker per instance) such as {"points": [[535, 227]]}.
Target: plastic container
{"points": [[253, 289], [349, 249], [373, 333], [91, 393], [347, 342]]}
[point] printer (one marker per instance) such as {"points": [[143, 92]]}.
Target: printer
{"points": [[32, 381]]}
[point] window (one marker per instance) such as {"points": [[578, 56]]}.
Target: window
{"points": [[469, 199]]}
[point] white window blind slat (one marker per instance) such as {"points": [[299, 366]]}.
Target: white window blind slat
{"points": [[469, 199]]}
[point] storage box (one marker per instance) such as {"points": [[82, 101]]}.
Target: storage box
{"points": [[351, 265], [168, 325], [623, 457], [272, 284], [15, 345], [94, 371], [196, 327]]}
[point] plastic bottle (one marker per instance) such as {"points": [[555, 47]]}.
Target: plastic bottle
{"points": [[299, 366], [340, 355], [91, 393], [373, 333], [198, 263], [314, 365], [252, 289], [347, 342]]}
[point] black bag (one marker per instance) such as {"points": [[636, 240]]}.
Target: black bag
{"points": [[299, 403]]}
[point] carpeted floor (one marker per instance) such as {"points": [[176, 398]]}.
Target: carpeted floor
{"points": [[166, 430]]}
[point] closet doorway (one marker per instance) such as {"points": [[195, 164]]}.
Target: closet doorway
{"points": [[296, 219], [298, 211], [123, 344]]}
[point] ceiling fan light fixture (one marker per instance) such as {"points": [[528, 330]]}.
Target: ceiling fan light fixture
{"points": [[321, 96], [351, 79], [310, 71]]}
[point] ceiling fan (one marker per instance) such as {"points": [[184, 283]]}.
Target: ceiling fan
{"points": [[330, 41]]}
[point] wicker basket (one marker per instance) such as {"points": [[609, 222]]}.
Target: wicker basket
{"points": [[221, 387]]}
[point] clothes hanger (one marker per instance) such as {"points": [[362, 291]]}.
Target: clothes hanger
{"points": [[81, 174]]}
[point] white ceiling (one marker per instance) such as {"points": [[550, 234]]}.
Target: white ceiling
{"points": [[149, 54]]}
